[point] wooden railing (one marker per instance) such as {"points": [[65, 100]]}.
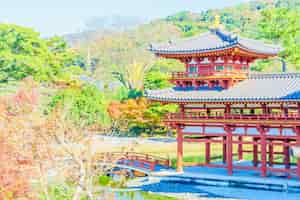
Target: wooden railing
{"points": [[143, 158], [177, 75], [199, 116]]}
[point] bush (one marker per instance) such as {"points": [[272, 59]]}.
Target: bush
{"points": [[104, 180], [59, 192]]}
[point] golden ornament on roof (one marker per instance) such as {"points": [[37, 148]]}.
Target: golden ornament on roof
{"points": [[217, 21]]}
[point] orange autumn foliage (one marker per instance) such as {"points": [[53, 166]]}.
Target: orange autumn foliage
{"points": [[17, 166], [132, 109], [15, 171]]}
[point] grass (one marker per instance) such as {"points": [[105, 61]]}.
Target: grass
{"points": [[195, 152]]}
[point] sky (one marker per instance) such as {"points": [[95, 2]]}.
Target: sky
{"points": [[57, 17]]}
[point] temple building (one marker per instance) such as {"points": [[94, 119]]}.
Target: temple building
{"points": [[253, 117]]}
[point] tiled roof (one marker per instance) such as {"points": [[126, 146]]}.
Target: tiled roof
{"points": [[258, 87], [211, 41]]}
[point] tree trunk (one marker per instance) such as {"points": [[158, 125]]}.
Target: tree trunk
{"points": [[44, 182], [79, 188]]}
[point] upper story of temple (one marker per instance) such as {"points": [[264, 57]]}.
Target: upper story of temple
{"points": [[215, 59]]}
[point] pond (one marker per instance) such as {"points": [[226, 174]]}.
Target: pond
{"points": [[132, 195], [166, 190], [213, 192]]}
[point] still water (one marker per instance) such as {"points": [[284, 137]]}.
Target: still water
{"points": [[212, 192], [193, 192]]}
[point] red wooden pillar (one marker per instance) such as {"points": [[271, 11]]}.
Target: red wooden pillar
{"points": [[240, 148], [297, 131], [227, 109], [286, 154], [271, 153], [224, 149], [208, 112], [263, 146], [284, 110], [186, 63], [207, 152], [179, 150], [255, 152], [229, 159], [210, 84], [264, 108], [181, 108]]}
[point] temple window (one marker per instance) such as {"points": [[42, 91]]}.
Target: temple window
{"points": [[229, 68], [219, 68], [193, 69], [244, 68]]}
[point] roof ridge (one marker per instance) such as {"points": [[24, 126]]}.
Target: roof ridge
{"points": [[274, 75], [225, 36]]}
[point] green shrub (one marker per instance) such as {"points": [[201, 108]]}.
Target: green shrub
{"points": [[59, 192], [104, 180]]}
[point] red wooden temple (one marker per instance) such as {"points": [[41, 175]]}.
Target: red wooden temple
{"points": [[250, 115]]}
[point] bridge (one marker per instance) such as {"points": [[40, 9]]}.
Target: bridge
{"points": [[139, 162]]}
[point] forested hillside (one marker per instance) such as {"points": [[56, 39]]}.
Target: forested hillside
{"points": [[242, 18], [125, 52]]}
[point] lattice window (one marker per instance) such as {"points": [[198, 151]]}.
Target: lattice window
{"points": [[229, 68], [219, 68], [193, 69]]}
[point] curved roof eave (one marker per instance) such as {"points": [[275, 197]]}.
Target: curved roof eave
{"points": [[254, 100], [193, 51], [199, 51], [257, 51]]}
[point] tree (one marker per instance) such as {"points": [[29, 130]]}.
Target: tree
{"points": [[52, 143], [156, 80], [86, 105], [158, 76], [282, 25], [17, 166], [121, 53], [23, 53], [132, 76], [15, 170], [139, 116]]}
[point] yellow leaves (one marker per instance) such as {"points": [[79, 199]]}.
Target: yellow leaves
{"points": [[135, 74], [114, 110], [129, 112]]}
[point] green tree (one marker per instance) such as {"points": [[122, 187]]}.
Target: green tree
{"points": [[283, 25], [84, 105], [156, 80], [23, 52], [159, 74]]}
